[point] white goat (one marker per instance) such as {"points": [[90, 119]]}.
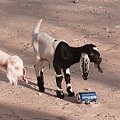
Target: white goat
{"points": [[14, 67], [61, 56]]}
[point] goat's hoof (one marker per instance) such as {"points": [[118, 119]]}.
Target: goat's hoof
{"points": [[70, 93], [42, 89], [60, 94]]}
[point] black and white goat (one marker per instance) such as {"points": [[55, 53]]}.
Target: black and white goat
{"points": [[61, 56]]}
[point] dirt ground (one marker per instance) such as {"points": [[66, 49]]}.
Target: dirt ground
{"points": [[88, 21]]}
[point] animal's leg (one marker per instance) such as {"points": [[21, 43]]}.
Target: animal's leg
{"points": [[68, 84], [84, 65], [39, 74], [59, 78]]}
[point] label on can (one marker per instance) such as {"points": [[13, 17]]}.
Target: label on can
{"points": [[86, 97]]}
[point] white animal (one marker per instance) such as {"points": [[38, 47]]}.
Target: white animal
{"points": [[14, 67]]}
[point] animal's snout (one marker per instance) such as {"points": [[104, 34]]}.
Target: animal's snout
{"points": [[21, 77], [99, 60]]}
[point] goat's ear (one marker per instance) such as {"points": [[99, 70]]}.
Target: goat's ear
{"points": [[84, 65], [10, 72]]}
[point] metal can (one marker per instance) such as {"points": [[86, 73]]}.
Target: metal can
{"points": [[86, 97]]}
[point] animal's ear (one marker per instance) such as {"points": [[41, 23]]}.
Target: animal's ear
{"points": [[84, 65], [11, 74]]}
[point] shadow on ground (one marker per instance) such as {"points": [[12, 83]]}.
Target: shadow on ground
{"points": [[20, 113]]}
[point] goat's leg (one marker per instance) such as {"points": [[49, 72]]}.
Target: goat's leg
{"points": [[59, 90], [39, 75], [59, 78], [68, 84]]}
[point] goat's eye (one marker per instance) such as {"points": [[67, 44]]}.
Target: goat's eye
{"points": [[91, 54]]}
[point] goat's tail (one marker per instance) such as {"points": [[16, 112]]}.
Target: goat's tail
{"points": [[37, 27]]}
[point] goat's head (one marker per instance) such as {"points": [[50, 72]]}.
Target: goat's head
{"points": [[16, 70], [93, 55]]}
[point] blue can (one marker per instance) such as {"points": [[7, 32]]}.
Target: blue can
{"points": [[86, 97]]}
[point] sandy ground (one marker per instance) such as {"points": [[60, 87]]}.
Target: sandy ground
{"points": [[88, 21]]}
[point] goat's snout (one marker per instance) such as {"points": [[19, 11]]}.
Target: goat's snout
{"points": [[97, 64], [99, 60], [21, 77], [98, 67]]}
